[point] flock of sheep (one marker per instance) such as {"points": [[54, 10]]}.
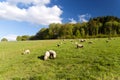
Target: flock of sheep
{"points": [[52, 54], [48, 54]]}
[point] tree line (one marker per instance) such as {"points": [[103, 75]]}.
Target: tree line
{"points": [[105, 26]]}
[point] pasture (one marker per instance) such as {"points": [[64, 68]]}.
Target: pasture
{"points": [[97, 61]]}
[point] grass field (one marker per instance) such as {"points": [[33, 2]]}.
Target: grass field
{"points": [[97, 61]]}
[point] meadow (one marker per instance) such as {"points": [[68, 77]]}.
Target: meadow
{"points": [[97, 61]]}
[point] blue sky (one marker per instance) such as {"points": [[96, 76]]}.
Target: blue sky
{"points": [[27, 17]]}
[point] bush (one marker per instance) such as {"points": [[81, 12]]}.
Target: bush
{"points": [[4, 39]]}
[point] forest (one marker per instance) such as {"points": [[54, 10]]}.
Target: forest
{"points": [[98, 27]]}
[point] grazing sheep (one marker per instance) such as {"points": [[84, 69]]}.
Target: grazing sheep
{"points": [[50, 54], [79, 46], [82, 40], [26, 51], [46, 55]]}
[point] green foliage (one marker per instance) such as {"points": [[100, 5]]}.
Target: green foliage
{"points": [[54, 30], [4, 39], [23, 38], [77, 34], [42, 34], [106, 25]]}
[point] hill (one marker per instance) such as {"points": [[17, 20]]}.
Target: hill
{"points": [[97, 61]]}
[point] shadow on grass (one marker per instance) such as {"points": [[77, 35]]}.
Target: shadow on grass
{"points": [[41, 57]]}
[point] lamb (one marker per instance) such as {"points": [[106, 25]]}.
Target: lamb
{"points": [[50, 54], [26, 51], [79, 46]]}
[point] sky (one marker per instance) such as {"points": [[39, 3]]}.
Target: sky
{"points": [[27, 17]]}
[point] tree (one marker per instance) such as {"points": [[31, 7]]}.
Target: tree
{"points": [[84, 29], [4, 39], [115, 26], [109, 28], [54, 30], [112, 27], [22, 38], [118, 28], [77, 34], [66, 31], [82, 32], [25, 37], [95, 27], [76, 29], [42, 34], [19, 38]]}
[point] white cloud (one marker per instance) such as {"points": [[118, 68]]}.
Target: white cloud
{"points": [[10, 37], [84, 17], [37, 13], [27, 2], [72, 20]]}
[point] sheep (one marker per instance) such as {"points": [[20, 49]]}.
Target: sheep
{"points": [[46, 55], [50, 54], [27, 51], [82, 40], [79, 46]]}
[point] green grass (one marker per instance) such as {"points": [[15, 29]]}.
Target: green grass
{"points": [[97, 61]]}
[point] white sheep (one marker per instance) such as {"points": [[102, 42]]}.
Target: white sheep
{"points": [[49, 54], [26, 51], [46, 55], [79, 46], [52, 54], [82, 40]]}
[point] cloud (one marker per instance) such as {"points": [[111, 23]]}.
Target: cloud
{"points": [[10, 37], [33, 11], [84, 17], [35, 2], [72, 20]]}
